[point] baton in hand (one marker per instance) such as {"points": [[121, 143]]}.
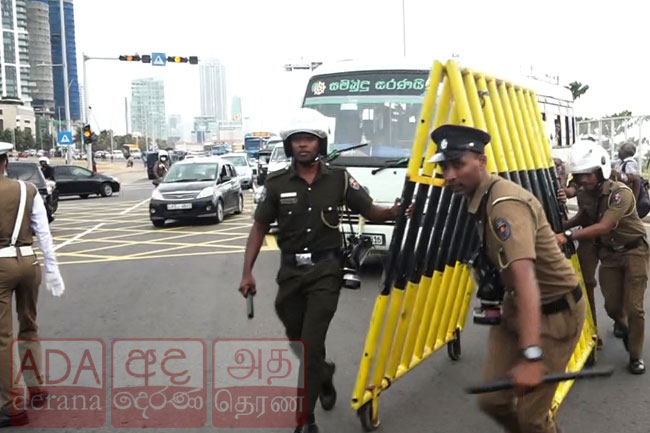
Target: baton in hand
{"points": [[249, 305], [501, 385]]}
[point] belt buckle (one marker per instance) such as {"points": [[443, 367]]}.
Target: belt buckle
{"points": [[304, 259]]}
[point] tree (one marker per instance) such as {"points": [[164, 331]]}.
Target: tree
{"points": [[577, 89]]}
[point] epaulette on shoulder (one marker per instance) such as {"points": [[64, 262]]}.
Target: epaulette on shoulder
{"points": [[277, 173]]}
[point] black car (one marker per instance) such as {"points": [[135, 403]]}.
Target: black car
{"points": [[74, 180], [205, 188], [31, 172]]}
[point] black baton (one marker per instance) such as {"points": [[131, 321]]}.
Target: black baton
{"points": [[249, 305], [501, 385]]}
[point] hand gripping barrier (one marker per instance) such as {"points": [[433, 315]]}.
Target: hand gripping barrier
{"points": [[426, 288]]}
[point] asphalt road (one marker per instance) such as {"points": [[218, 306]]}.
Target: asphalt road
{"points": [[126, 279]]}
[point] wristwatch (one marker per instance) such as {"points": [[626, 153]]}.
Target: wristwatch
{"points": [[568, 234], [532, 353]]}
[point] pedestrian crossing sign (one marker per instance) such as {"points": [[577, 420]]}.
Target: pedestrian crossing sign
{"points": [[65, 138], [158, 59]]}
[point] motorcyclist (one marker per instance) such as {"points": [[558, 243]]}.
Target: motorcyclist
{"points": [[162, 165], [46, 168]]}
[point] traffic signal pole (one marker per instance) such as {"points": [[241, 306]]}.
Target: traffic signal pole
{"points": [[192, 60]]}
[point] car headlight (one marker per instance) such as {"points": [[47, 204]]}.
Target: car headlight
{"points": [[206, 192], [156, 195]]}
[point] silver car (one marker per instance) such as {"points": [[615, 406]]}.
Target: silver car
{"points": [[245, 173]]}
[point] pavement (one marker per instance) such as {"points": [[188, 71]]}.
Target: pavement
{"points": [[126, 279]]}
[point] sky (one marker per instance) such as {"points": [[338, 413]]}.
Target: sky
{"points": [[598, 43]]}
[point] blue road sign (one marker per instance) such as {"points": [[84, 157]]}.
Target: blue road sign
{"points": [[158, 59], [65, 138]]}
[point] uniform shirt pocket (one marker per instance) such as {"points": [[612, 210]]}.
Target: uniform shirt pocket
{"points": [[330, 216]]}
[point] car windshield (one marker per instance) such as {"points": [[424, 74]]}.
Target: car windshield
{"points": [[26, 172], [237, 161], [278, 155], [199, 172]]}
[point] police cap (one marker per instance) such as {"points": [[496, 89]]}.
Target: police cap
{"points": [[6, 148], [454, 140]]}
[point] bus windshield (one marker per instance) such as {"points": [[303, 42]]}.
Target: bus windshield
{"points": [[380, 108]]}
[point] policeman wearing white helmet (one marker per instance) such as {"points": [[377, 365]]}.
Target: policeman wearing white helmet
{"points": [[46, 168], [608, 217], [305, 199], [21, 212]]}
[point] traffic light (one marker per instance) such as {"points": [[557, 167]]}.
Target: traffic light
{"points": [[177, 59], [194, 60], [146, 58], [130, 58], [88, 134]]}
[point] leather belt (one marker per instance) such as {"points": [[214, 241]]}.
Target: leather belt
{"points": [[620, 248], [310, 259], [562, 304], [13, 251]]}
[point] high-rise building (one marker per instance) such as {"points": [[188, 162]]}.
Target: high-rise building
{"points": [[40, 54], [40, 60], [15, 90], [14, 50], [57, 59], [235, 109], [213, 90], [174, 127], [148, 108]]}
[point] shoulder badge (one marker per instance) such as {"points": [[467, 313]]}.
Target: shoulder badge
{"points": [[353, 183], [502, 228], [262, 197], [616, 199]]}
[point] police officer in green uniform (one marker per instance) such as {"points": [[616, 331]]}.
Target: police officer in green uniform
{"points": [[613, 224], [305, 199], [543, 309]]}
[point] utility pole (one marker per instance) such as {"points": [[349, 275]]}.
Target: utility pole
{"points": [[404, 27], [66, 84]]}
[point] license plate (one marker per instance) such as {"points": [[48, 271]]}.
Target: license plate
{"points": [[377, 239], [177, 206]]}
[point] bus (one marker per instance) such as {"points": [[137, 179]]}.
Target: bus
{"points": [[379, 104], [256, 141]]}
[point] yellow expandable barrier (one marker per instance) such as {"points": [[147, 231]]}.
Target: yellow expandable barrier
{"points": [[426, 288]]}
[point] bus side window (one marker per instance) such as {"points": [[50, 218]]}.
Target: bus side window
{"points": [[558, 131], [543, 117], [567, 129]]}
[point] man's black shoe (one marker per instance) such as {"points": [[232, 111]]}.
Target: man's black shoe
{"points": [[636, 366], [13, 420], [327, 395], [619, 330]]}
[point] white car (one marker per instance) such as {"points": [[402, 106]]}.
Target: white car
{"points": [[118, 154], [245, 173], [277, 161]]}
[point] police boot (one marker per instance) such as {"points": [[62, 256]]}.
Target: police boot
{"points": [[636, 366], [327, 395]]}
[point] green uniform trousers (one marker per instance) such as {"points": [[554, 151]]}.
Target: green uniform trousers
{"points": [[306, 302]]}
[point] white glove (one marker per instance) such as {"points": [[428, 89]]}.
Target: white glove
{"points": [[54, 282]]}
